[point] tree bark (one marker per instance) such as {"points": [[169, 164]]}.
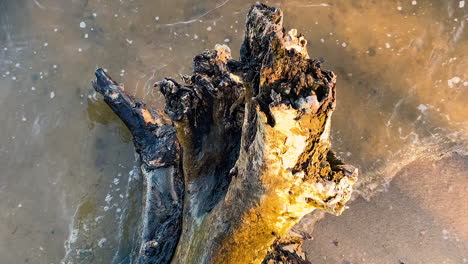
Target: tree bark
{"points": [[245, 154]]}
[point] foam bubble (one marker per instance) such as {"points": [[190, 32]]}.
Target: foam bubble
{"points": [[101, 242]]}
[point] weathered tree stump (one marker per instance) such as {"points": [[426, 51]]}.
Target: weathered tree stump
{"points": [[244, 153]]}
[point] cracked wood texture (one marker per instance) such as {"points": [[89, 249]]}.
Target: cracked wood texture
{"points": [[244, 153]]}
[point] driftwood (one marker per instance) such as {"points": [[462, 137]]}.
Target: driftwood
{"points": [[241, 153]]}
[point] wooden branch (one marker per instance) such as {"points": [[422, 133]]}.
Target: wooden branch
{"points": [[155, 140]]}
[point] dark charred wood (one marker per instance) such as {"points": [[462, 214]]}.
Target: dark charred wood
{"points": [[153, 134], [155, 140], [208, 116], [286, 252]]}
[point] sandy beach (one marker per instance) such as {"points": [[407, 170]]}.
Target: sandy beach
{"points": [[422, 217]]}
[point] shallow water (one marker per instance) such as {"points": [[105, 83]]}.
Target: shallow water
{"points": [[68, 188]]}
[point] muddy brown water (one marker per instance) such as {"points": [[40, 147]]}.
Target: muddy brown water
{"points": [[68, 188]]}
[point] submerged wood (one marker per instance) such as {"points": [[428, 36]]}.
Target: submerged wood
{"points": [[244, 153]]}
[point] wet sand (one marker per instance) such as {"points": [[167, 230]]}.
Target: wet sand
{"points": [[422, 217]]}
